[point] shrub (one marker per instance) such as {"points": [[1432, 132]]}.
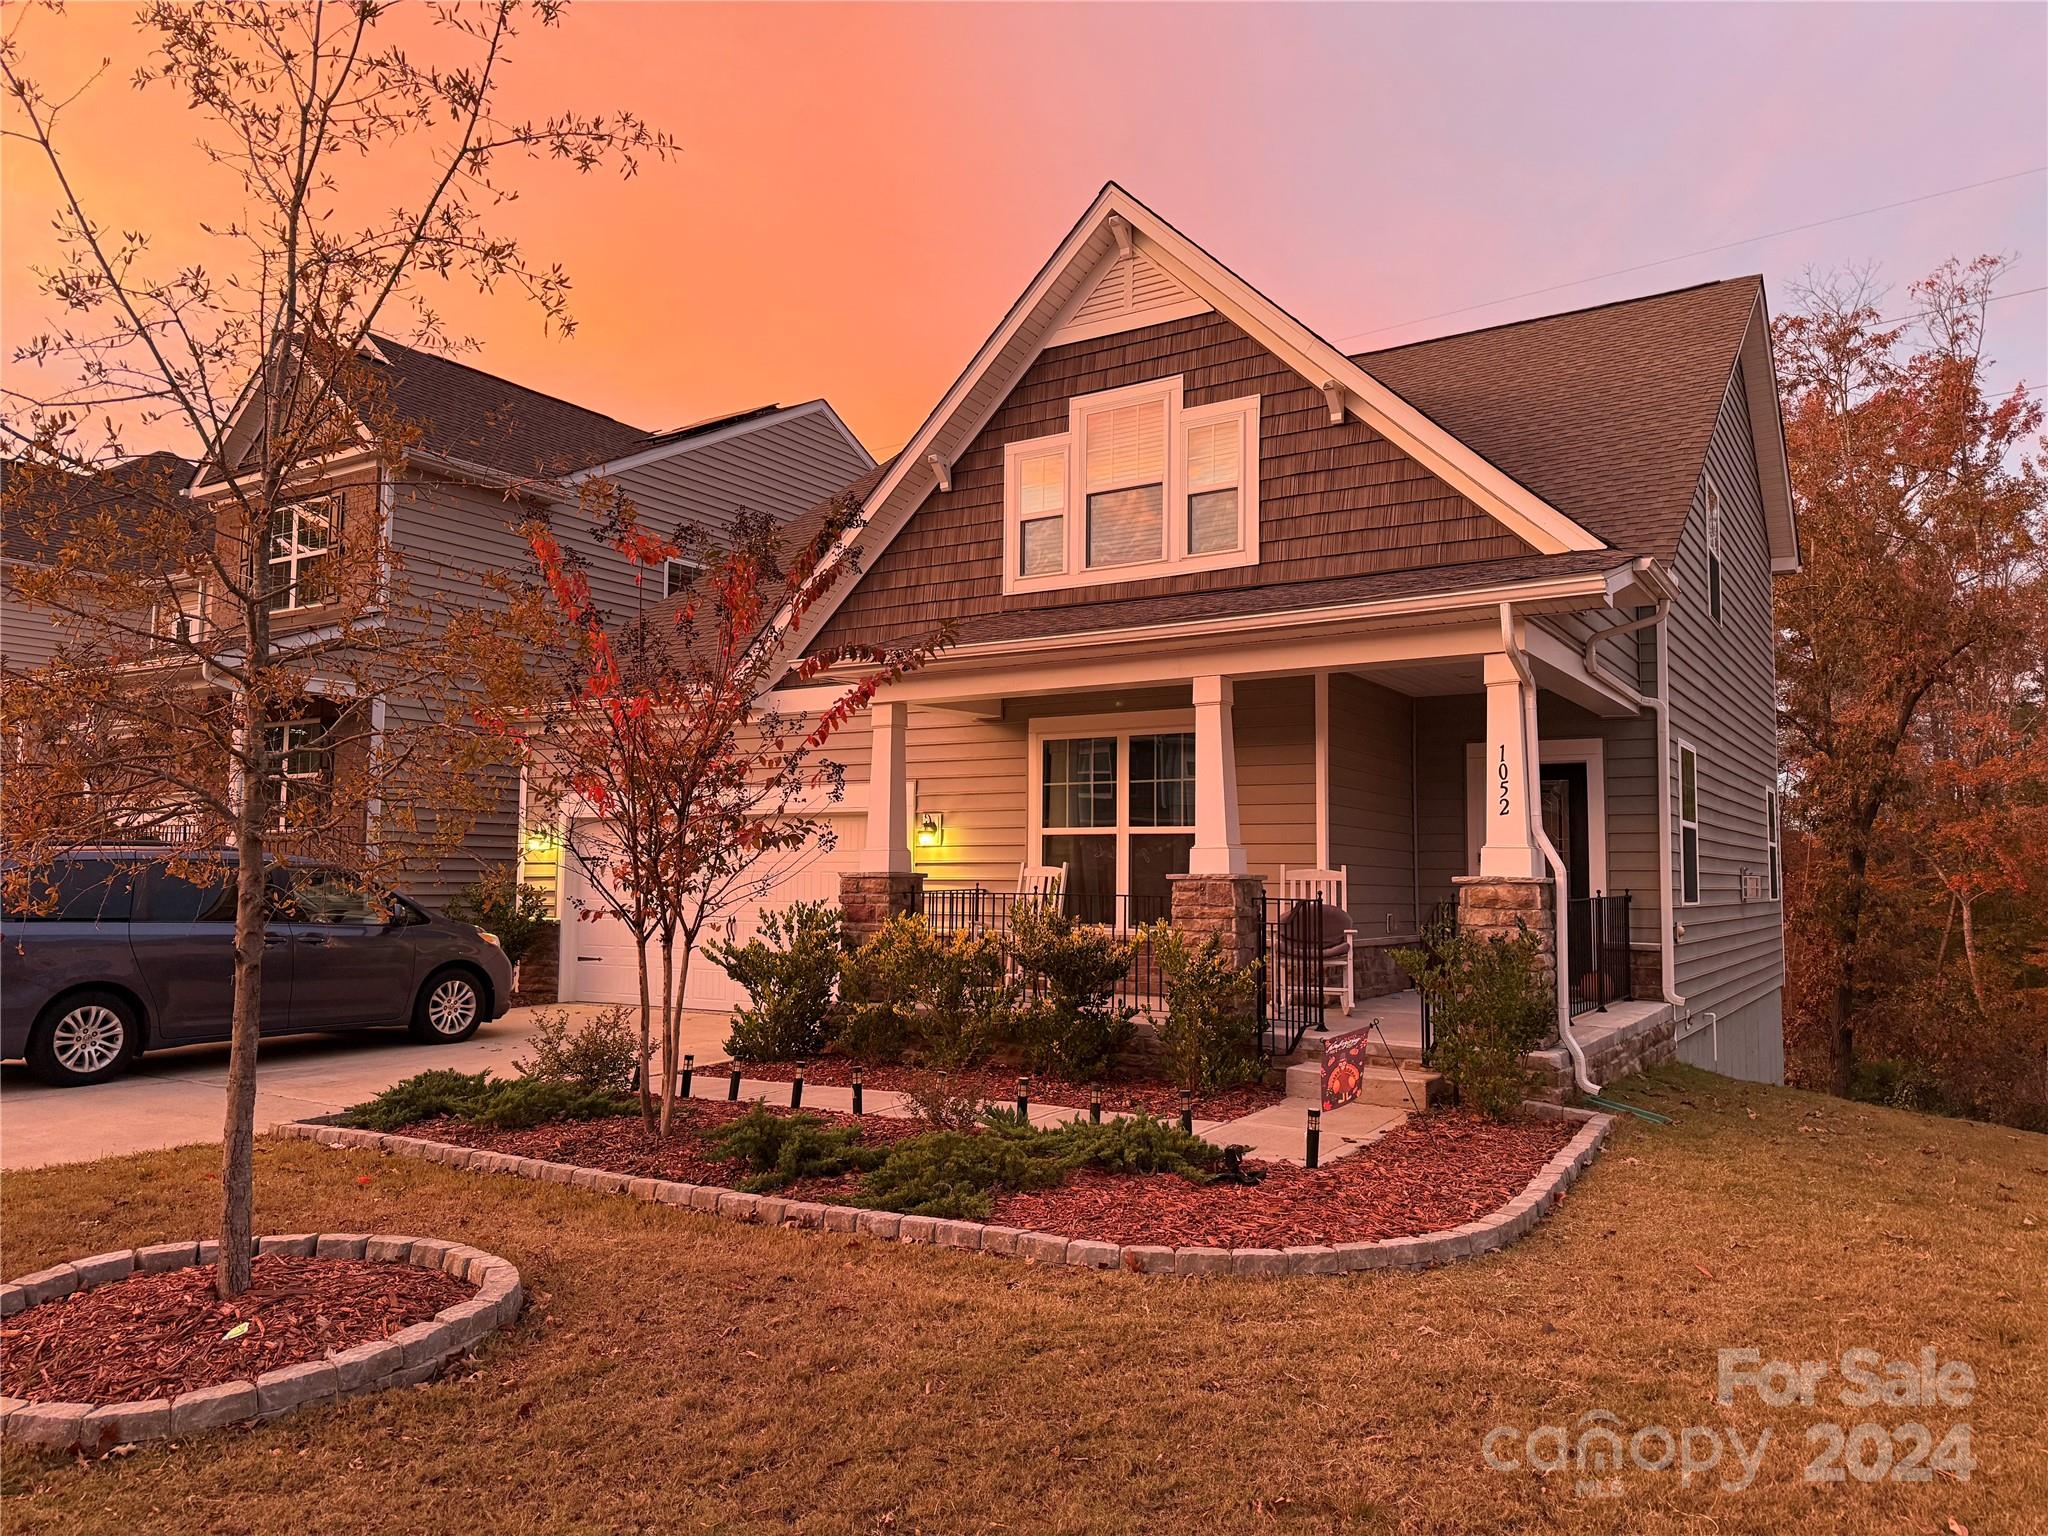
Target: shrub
{"points": [[474, 1097], [934, 1103], [1489, 1005], [601, 1055], [940, 1000], [780, 1149], [1210, 1039], [500, 904], [1073, 1024], [790, 973]]}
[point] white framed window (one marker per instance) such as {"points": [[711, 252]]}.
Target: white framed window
{"points": [[301, 555], [1113, 799], [178, 618], [1775, 842], [1713, 552], [1688, 826], [1138, 485], [303, 761], [676, 575]]}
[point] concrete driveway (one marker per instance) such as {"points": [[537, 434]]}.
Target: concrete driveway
{"points": [[177, 1097]]}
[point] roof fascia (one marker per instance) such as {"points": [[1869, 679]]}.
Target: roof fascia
{"points": [[1767, 434]]}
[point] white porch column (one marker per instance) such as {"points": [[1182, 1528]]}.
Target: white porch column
{"points": [[1508, 848], [1219, 849], [888, 845]]}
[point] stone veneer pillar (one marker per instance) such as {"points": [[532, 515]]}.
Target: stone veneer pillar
{"points": [[1501, 906], [1232, 907], [868, 900]]}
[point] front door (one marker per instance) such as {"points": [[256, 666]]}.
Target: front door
{"points": [[1567, 823]]}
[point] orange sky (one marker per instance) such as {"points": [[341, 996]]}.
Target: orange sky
{"points": [[864, 189]]}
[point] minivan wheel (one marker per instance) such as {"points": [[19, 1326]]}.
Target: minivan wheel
{"points": [[86, 1039], [450, 1008]]}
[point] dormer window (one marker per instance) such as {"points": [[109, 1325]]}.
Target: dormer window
{"points": [[1138, 486]]}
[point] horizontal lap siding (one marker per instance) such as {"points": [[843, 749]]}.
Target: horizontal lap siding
{"points": [[1372, 808], [972, 771], [1443, 727], [781, 469], [1275, 738], [1723, 681], [1333, 500]]}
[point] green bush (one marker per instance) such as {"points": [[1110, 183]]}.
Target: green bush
{"points": [[931, 999], [1489, 1005], [790, 972], [598, 1056], [780, 1149], [474, 1097], [515, 913], [1072, 1023], [1210, 1039]]}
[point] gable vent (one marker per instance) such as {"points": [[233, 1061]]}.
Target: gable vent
{"points": [[1133, 290]]}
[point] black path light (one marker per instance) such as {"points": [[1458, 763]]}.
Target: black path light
{"points": [[689, 1067], [1095, 1106], [1315, 1136], [1023, 1098], [1187, 1112], [796, 1088], [732, 1085], [856, 1090]]}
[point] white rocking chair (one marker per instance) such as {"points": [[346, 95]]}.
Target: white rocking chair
{"points": [[1334, 887], [1043, 883]]}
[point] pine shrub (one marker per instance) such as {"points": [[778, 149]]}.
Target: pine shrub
{"points": [[791, 973]]}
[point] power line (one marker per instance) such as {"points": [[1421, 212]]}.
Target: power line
{"points": [[1706, 250], [2017, 293]]}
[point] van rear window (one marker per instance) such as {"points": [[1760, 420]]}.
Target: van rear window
{"points": [[79, 891]]}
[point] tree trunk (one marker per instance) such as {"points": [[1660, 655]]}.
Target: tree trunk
{"points": [[668, 1010], [238, 1134], [1848, 928], [672, 1036], [1970, 953], [646, 1035]]}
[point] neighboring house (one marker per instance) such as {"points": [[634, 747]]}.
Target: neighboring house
{"points": [[1448, 617], [29, 635], [479, 445]]}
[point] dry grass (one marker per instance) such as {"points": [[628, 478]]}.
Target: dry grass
{"points": [[679, 1373]]}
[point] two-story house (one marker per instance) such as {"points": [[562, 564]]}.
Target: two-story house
{"points": [[479, 451], [1477, 625]]}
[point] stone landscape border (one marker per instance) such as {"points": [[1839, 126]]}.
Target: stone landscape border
{"points": [[411, 1355], [1493, 1231]]}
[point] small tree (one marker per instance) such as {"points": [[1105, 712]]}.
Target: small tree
{"points": [[685, 786], [210, 642]]}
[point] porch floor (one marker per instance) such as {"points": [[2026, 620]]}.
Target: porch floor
{"points": [[1399, 1017]]}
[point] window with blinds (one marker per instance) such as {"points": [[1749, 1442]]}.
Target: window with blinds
{"points": [[1140, 484]]}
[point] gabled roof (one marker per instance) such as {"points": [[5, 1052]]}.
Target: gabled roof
{"points": [[65, 500], [1603, 412]]}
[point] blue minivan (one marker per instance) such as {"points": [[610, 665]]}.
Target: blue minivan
{"points": [[117, 954]]}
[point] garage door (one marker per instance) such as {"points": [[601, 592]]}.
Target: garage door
{"points": [[597, 957]]}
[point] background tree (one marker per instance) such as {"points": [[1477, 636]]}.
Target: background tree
{"points": [[676, 775], [1910, 673], [362, 151]]}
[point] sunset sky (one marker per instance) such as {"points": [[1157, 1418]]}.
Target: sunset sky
{"points": [[864, 189]]}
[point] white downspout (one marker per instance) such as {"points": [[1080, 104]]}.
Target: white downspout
{"points": [[1562, 952]]}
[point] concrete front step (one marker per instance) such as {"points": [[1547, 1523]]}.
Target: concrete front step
{"points": [[1379, 1043], [1378, 1084]]}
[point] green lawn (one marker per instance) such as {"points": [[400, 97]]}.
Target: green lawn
{"points": [[679, 1373]]}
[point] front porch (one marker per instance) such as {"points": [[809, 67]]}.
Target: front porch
{"points": [[1444, 774]]}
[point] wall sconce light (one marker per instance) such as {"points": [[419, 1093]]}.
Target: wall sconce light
{"points": [[931, 829], [540, 840]]}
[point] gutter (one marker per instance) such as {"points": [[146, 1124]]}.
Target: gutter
{"points": [[1533, 757]]}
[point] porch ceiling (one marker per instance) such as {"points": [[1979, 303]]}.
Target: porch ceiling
{"points": [[1429, 679]]}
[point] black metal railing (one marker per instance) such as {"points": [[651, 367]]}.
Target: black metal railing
{"points": [[1294, 954], [1597, 938], [977, 909], [1438, 929]]}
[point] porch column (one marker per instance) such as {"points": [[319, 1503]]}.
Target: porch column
{"points": [[888, 844], [1508, 849], [1219, 848]]}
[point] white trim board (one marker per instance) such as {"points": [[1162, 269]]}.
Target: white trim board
{"points": [[1589, 750]]}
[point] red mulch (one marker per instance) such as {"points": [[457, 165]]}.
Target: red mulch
{"points": [[1431, 1172], [1124, 1091], [159, 1335], [623, 1144]]}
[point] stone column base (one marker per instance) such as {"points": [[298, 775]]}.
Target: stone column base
{"points": [[1500, 906], [1231, 907], [867, 901]]}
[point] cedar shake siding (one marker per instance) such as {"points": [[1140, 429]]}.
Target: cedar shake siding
{"points": [[1334, 501], [1731, 954]]}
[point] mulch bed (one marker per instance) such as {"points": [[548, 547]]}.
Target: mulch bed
{"points": [[624, 1145], [1123, 1090], [159, 1335], [1431, 1172]]}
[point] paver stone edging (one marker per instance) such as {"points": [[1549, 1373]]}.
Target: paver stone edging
{"points": [[1488, 1233], [412, 1355]]}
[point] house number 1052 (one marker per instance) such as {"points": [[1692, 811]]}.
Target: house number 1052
{"points": [[1503, 776]]}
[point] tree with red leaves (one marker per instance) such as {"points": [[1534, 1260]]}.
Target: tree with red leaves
{"points": [[1910, 675], [684, 783]]}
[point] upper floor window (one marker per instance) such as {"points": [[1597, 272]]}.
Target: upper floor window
{"points": [[1688, 826], [301, 555], [1713, 552], [1139, 485], [181, 613], [303, 759], [1774, 843]]}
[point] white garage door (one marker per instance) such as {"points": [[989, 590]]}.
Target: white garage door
{"points": [[597, 957]]}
